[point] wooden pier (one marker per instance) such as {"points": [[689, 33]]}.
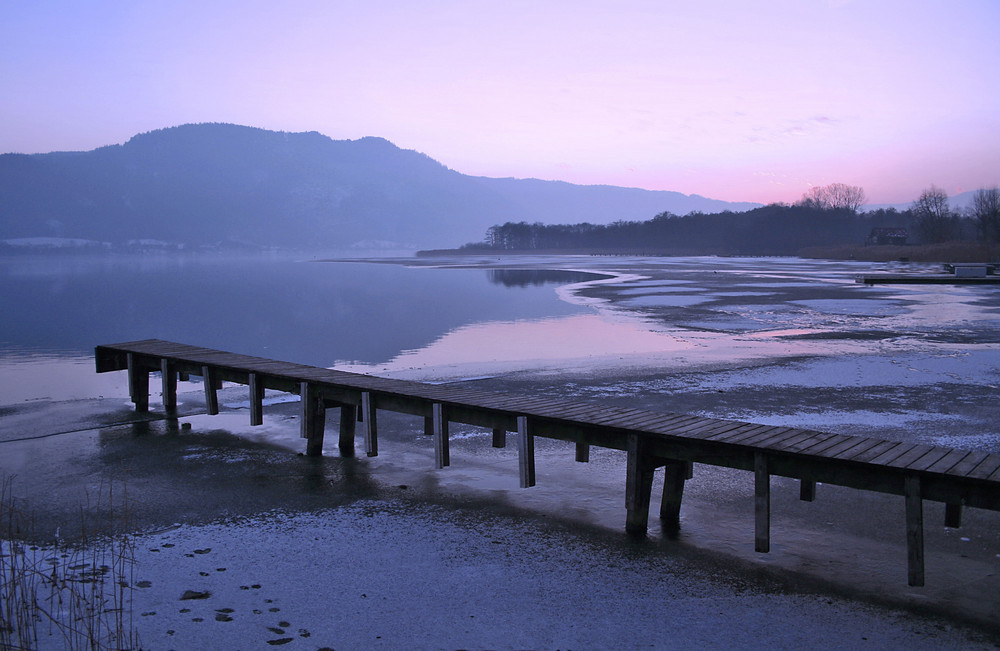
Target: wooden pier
{"points": [[652, 439]]}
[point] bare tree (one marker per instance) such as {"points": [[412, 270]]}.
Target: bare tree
{"points": [[847, 197], [837, 196], [986, 211], [934, 218]]}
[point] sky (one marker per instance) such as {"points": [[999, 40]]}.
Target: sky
{"points": [[736, 100]]}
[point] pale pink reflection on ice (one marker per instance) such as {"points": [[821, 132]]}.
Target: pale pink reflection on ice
{"points": [[564, 338]]}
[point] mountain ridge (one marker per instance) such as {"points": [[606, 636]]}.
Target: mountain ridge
{"points": [[218, 185]]}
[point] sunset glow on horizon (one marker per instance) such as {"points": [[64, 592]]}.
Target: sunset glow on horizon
{"points": [[742, 101]]}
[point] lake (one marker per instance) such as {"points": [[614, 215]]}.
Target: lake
{"points": [[774, 340]]}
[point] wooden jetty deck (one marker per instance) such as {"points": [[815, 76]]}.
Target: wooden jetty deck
{"points": [[652, 439]]}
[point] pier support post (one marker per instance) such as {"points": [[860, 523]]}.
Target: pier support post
{"points": [[428, 426], [138, 384], [256, 400], [914, 530], [313, 424], [442, 457], [525, 452], [762, 504], [674, 475], [348, 423], [583, 452], [370, 424], [168, 379], [638, 487], [211, 396], [499, 437], [953, 516], [807, 490]]}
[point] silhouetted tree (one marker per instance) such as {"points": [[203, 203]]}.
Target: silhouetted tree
{"points": [[836, 196], [934, 219], [986, 212]]}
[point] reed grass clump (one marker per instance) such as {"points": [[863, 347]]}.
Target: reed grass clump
{"points": [[67, 595]]}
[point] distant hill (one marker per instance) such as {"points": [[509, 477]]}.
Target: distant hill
{"points": [[221, 185]]}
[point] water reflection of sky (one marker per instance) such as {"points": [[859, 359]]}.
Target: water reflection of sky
{"points": [[389, 318]]}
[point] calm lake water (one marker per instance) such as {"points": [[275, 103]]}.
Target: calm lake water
{"points": [[301, 311], [776, 341]]}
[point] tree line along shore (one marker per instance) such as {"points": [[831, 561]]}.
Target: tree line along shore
{"points": [[826, 223]]}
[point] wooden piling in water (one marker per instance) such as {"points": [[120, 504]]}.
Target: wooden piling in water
{"points": [[952, 515], [313, 419], [674, 475], [583, 452], [348, 423], [256, 400], [168, 382], [138, 384], [442, 456], [499, 437], [211, 395], [525, 452], [369, 423], [914, 530], [638, 487], [762, 504], [807, 490]]}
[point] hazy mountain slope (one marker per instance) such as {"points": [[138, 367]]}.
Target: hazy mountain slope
{"points": [[218, 184]]}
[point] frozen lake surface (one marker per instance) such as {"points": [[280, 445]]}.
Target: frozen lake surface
{"points": [[462, 557]]}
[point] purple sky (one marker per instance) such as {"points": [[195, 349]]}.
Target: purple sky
{"points": [[736, 100]]}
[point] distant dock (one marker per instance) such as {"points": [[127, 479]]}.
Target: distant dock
{"points": [[961, 273], [652, 439]]}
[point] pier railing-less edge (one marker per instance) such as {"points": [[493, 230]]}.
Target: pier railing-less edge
{"points": [[652, 439]]}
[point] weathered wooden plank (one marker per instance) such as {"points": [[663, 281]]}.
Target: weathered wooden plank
{"points": [[913, 455], [759, 438], [894, 453], [748, 431], [986, 467], [674, 424], [914, 530], [876, 450], [256, 399], [370, 423], [779, 439], [762, 504], [972, 460], [525, 452], [836, 441], [926, 461], [848, 444], [712, 429], [442, 456], [857, 449], [948, 461], [818, 438]]}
